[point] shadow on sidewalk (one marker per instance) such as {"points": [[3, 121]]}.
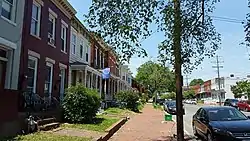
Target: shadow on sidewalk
{"points": [[171, 138]]}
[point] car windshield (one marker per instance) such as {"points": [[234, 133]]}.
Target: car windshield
{"points": [[235, 100], [172, 104], [225, 114]]}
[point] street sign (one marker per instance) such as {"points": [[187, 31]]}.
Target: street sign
{"points": [[106, 73]]}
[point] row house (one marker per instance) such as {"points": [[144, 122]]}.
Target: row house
{"points": [[45, 48], [209, 91], [125, 77], [11, 23], [85, 57]]}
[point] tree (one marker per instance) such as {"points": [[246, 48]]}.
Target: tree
{"points": [[241, 88], [188, 27], [170, 95], [247, 28], [189, 94], [196, 81], [156, 77]]}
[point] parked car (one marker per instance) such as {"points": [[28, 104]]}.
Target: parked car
{"points": [[244, 105], [231, 102], [170, 107], [160, 101], [224, 123]]}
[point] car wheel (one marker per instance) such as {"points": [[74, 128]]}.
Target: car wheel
{"points": [[195, 131], [209, 137]]}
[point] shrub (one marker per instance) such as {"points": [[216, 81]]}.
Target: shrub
{"points": [[80, 104], [130, 98]]}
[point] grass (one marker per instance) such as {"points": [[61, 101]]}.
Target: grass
{"points": [[157, 106], [117, 112], [40, 136], [102, 123]]}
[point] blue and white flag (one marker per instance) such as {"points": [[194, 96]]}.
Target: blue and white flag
{"points": [[106, 73]]}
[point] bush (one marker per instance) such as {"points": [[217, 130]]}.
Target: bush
{"points": [[130, 98], [80, 104]]}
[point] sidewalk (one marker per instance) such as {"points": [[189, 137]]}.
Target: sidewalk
{"points": [[147, 126]]}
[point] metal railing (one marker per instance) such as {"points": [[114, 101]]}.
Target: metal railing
{"points": [[33, 102]]}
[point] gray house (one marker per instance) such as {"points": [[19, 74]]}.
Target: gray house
{"points": [[11, 24]]}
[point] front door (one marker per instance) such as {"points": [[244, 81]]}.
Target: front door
{"points": [[62, 83], [2, 74]]}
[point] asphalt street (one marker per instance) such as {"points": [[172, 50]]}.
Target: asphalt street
{"points": [[190, 110]]}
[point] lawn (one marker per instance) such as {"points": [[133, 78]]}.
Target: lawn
{"points": [[40, 136], [117, 112], [101, 124]]}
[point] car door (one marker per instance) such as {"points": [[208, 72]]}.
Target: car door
{"points": [[204, 122], [196, 120], [240, 105]]}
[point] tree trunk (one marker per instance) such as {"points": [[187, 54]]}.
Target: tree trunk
{"points": [[178, 63]]}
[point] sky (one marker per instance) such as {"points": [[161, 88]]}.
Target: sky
{"points": [[234, 57]]}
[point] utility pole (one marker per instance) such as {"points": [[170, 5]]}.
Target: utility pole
{"points": [[187, 78], [218, 66], [177, 65]]}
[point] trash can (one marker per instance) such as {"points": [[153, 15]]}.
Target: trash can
{"points": [[168, 117]]}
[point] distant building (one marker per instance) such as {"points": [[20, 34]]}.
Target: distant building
{"points": [[209, 91]]}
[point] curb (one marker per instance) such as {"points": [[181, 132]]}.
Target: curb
{"points": [[185, 131], [114, 128]]}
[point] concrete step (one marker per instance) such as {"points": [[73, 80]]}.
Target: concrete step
{"points": [[49, 126], [45, 121]]}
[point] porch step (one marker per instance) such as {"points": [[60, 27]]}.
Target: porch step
{"points": [[42, 122], [49, 126]]}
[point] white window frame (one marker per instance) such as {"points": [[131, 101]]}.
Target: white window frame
{"points": [[63, 80], [73, 45], [87, 52], [96, 53], [103, 59], [35, 73], [81, 45], [39, 18], [53, 17], [64, 38], [13, 11], [48, 64]]}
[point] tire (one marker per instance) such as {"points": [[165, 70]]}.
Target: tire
{"points": [[209, 137], [195, 131]]}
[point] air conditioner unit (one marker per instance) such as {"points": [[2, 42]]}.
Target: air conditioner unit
{"points": [[51, 40]]}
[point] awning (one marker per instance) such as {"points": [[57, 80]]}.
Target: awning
{"points": [[83, 66]]}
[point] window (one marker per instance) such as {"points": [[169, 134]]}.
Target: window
{"points": [[103, 59], [8, 9], [81, 50], [62, 82], [87, 53], [63, 38], [100, 59], [48, 78], [35, 20], [32, 74], [96, 54], [51, 29], [73, 44]]}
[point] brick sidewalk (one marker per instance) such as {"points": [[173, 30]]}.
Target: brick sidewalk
{"points": [[147, 126]]}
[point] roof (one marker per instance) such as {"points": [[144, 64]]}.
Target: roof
{"points": [[78, 63]]}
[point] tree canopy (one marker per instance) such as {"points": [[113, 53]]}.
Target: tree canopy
{"points": [[156, 77], [125, 23], [189, 94], [241, 88], [196, 81]]}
